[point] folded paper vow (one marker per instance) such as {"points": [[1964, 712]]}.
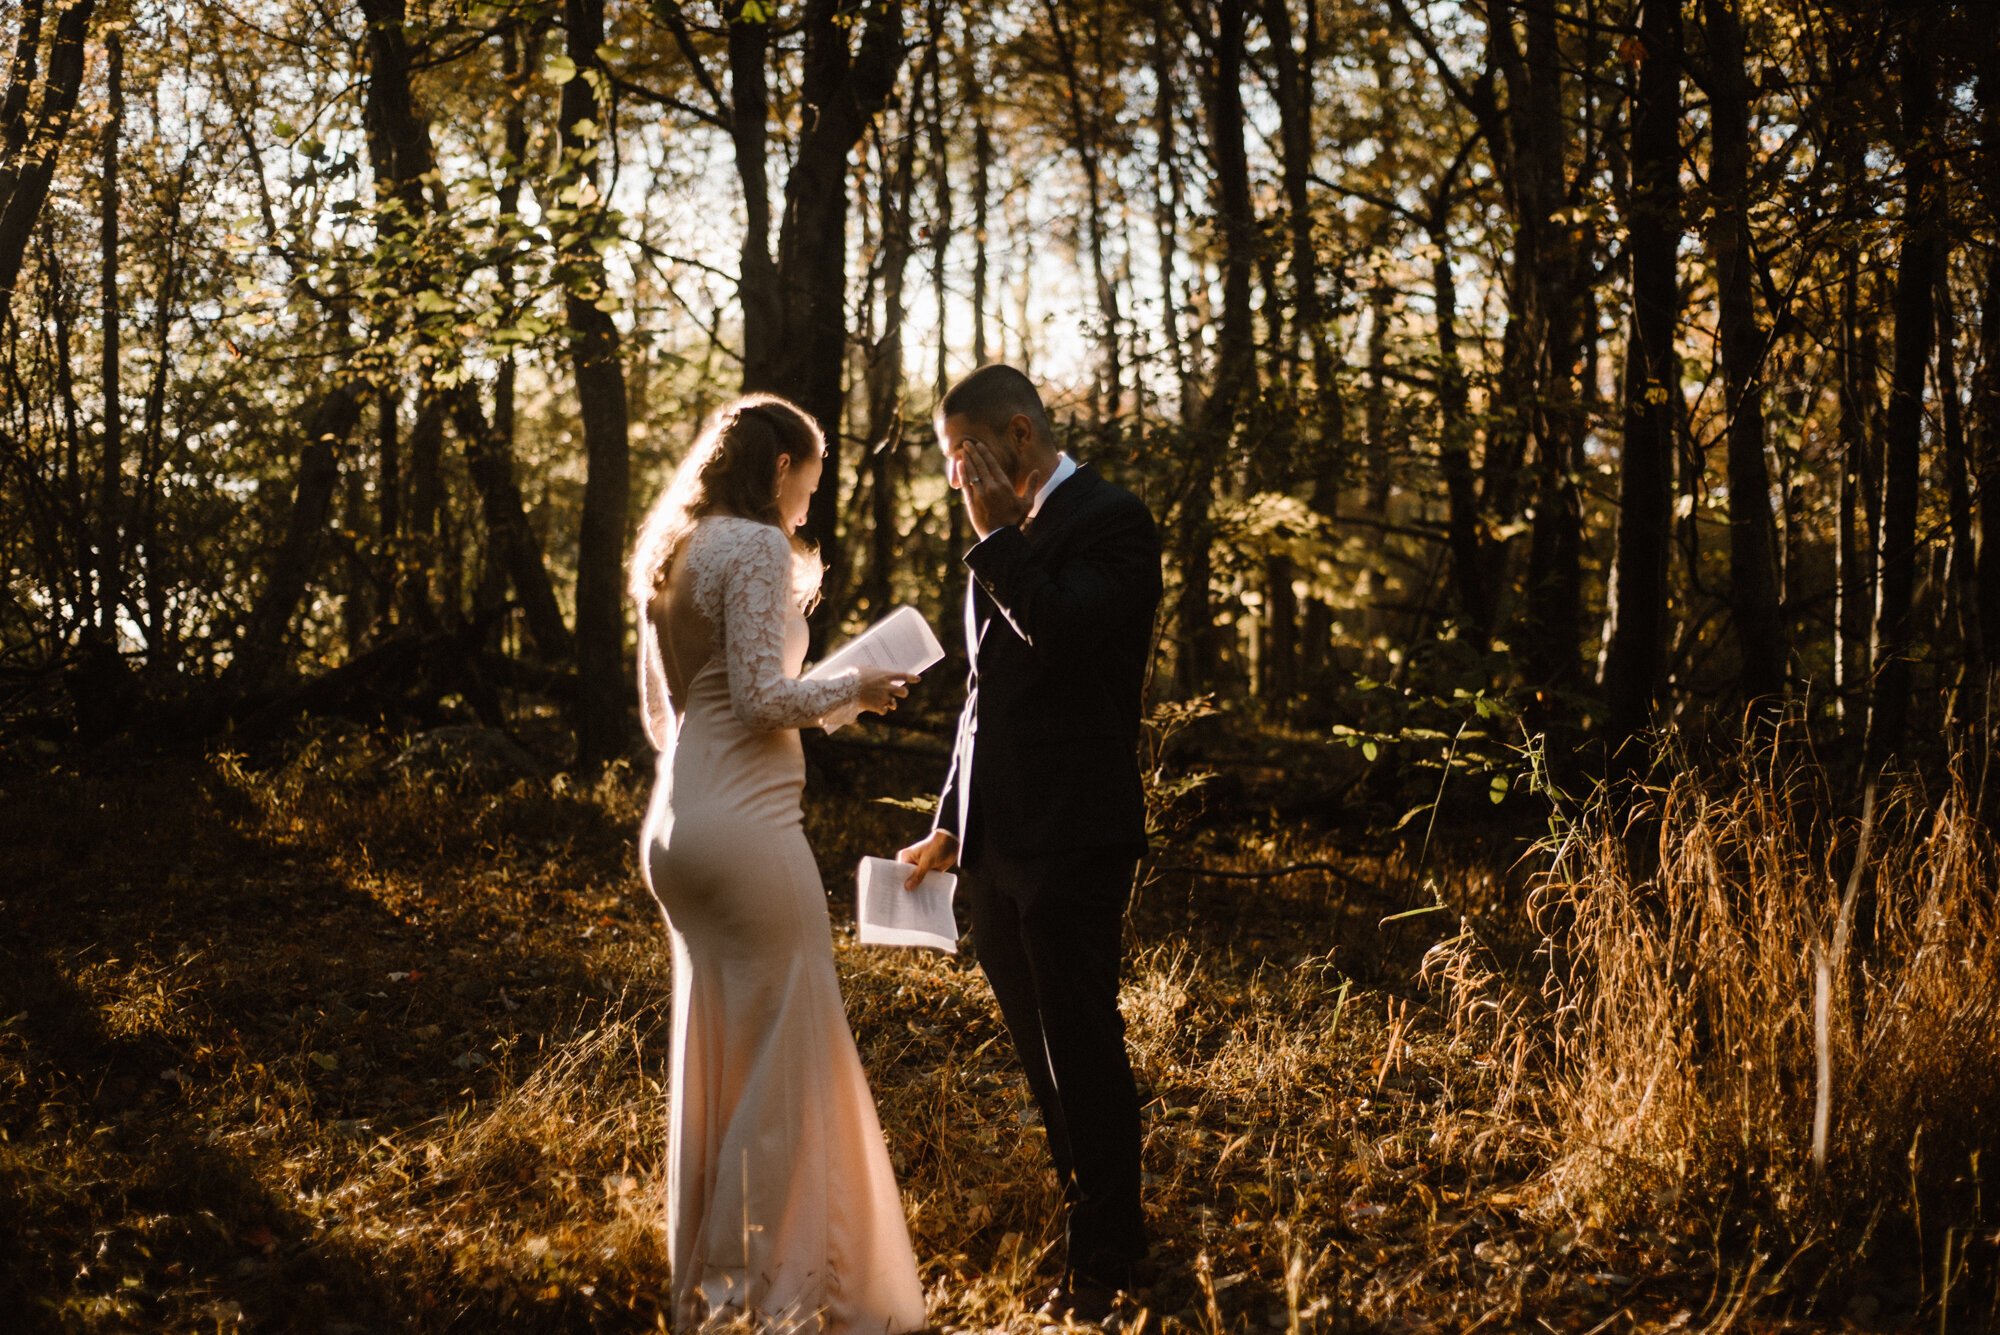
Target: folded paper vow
{"points": [[899, 642], [889, 915]]}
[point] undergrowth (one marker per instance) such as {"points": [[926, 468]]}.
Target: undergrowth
{"points": [[1756, 1025], [311, 1042]]}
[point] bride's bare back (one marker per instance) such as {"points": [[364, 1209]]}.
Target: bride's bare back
{"points": [[684, 634]]}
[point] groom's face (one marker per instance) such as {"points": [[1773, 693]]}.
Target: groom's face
{"points": [[956, 430]]}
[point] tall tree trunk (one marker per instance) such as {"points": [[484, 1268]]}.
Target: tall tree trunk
{"points": [[399, 145], [1753, 566], [60, 308], [517, 549], [1380, 479], [1168, 208], [489, 451], [111, 493], [885, 372], [261, 646], [1378, 452], [601, 714], [1199, 662], [982, 170], [750, 112], [161, 627], [1652, 388], [1986, 387], [941, 172], [1086, 139], [1853, 552], [802, 353], [1297, 79], [1894, 633], [1961, 583], [1463, 525], [389, 498], [1546, 334], [425, 496], [1295, 136], [28, 149], [357, 615], [1295, 71]]}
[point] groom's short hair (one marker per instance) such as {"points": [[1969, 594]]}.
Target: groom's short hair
{"points": [[992, 395]]}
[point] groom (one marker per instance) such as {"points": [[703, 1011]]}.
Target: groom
{"points": [[1042, 811]]}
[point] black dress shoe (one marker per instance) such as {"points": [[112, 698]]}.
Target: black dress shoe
{"points": [[1083, 1301]]}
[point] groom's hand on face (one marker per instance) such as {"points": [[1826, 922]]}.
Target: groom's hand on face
{"points": [[937, 851], [991, 498]]}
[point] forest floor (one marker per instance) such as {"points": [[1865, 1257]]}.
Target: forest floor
{"points": [[308, 1043]]}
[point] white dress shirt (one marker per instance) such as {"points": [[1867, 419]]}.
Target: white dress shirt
{"points": [[1065, 467]]}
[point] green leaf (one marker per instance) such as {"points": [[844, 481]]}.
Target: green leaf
{"points": [[1497, 790], [1369, 749], [560, 71], [326, 1061]]}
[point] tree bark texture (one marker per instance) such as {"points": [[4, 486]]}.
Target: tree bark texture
{"points": [[795, 314], [1893, 640], [1985, 407], [1086, 139], [29, 143], [109, 527], [1199, 661], [1652, 390], [601, 714], [1753, 566]]}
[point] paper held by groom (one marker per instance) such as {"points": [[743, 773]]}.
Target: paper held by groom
{"points": [[886, 914], [900, 642]]}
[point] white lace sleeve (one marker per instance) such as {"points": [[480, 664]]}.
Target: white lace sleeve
{"points": [[743, 583]]}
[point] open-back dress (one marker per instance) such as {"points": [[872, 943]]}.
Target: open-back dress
{"points": [[782, 1203]]}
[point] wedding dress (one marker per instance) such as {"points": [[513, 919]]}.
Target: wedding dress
{"points": [[782, 1205]]}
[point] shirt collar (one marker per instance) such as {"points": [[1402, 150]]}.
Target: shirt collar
{"points": [[1065, 467]]}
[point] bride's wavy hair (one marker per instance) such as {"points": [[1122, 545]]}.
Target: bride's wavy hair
{"points": [[730, 470]]}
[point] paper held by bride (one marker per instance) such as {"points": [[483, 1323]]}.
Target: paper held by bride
{"points": [[899, 642]]}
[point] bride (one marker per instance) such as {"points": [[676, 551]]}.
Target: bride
{"points": [[782, 1207]]}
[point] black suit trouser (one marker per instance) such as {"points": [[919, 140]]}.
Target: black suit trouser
{"points": [[1049, 933]]}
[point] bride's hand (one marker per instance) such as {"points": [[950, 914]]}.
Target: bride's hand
{"points": [[881, 689]]}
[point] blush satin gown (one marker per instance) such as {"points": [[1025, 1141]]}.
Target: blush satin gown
{"points": [[781, 1200]]}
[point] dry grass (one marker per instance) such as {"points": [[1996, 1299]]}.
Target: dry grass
{"points": [[1765, 1031], [306, 1044]]}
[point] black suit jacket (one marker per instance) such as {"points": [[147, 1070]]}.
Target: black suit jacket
{"points": [[1046, 758]]}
